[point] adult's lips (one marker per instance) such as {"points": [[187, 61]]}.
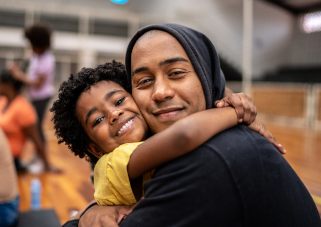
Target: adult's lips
{"points": [[167, 112]]}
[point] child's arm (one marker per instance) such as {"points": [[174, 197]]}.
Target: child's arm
{"points": [[182, 137]]}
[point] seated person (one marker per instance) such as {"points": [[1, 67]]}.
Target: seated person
{"points": [[18, 120], [98, 105], [9, 196]]}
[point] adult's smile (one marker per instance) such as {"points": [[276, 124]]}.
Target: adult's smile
{"points": [[168, 112]]}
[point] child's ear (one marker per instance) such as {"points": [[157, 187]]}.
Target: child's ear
{"points": [[93, 149]]}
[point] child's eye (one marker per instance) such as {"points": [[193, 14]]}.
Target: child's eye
{"points": [[119, 101], [98, 120]]}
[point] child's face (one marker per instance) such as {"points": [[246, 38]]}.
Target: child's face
{"points": [[110, 117]]}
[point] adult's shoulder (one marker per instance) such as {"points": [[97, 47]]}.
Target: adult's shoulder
{"points": [[23, 112], [241, 145], [235, 177], [21, 104], [264, 178]]}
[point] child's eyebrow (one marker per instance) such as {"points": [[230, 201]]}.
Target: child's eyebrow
{"points": [[110, 94], [91, 111], [107, 97]]}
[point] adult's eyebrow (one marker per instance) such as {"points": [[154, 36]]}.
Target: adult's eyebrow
{"points": [[172, 60], [138, 70], [107, 96]]}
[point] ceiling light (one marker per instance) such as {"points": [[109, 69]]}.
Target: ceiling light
{"points": [[119, 2], [312, 22]]}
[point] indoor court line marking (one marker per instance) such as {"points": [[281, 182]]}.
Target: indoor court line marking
{"points": [[316, 199]]}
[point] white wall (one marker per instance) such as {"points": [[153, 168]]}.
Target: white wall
{"points": [[305, 48], [272, 34], [220, 20]]}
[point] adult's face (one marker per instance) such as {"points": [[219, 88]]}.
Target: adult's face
{"points": [[165, 85]]}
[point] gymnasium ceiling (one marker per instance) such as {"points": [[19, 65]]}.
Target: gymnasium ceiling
{"points": [[298, 6]]}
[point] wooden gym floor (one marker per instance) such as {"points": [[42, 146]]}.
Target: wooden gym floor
{"points": [[72, 189]]}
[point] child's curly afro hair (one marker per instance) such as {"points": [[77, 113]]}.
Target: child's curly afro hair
{"points": [[67, 126]]}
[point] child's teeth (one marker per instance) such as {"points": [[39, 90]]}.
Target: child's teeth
{"points": [[125, 126]]}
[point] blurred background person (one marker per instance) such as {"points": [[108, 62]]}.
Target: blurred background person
{"points": [[41, 70], [18, 120], [9, 196]]}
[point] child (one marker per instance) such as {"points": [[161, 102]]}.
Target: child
{"points": [[41, 70], [97, 118]]}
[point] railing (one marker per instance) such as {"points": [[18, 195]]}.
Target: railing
{"points": [[291, 103]]}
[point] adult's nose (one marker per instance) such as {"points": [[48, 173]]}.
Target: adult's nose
{"points": [[162, 90], [114, 115]]}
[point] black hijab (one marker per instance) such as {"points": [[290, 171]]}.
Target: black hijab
{"points": [[200, 51]]}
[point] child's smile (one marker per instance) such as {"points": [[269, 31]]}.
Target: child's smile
{"points": [[126, 125], [110, 116]]}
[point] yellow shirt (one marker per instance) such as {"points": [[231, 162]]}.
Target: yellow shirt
{"points": [[112, 185]]}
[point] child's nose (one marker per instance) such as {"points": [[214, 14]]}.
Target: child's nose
{"points": [[115, 116]]}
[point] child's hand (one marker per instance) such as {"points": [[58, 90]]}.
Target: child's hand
{"points": [[243, 105], [260, 128]]}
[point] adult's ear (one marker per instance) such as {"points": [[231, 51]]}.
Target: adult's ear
{"points": [[94, 150]]}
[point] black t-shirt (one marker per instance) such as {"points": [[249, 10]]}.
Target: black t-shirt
{"points": [[236, 178]]}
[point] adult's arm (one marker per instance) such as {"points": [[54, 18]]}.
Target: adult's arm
{"points": [[8, 175], [19, 75]]}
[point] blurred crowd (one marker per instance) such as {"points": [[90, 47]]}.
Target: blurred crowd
{"points": [[21, 118]]}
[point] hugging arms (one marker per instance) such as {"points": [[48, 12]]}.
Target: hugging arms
{"points": [[236, 178]]}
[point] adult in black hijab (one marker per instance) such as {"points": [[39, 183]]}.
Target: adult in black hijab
{"points": [[236, 178]]}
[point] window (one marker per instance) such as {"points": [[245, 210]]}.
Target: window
{"points": [[12, 18], [312, 22], [60, 22]]}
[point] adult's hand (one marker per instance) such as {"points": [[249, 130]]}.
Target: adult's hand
{"points": [[259, 127], [243, 104], [104, 216]]}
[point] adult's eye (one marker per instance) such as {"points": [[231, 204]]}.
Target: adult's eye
{"points": [[120, 101], [98, 120], [177, 73], [143, 82]]}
